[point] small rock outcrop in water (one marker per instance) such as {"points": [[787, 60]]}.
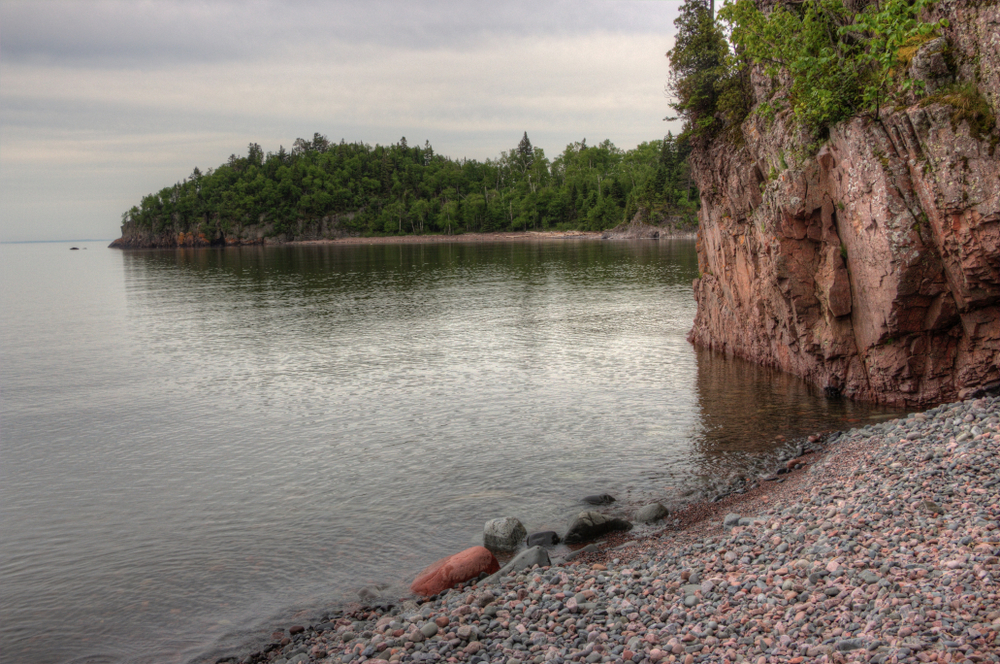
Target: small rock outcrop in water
{"points": [[591, 525], [599, 499], [455, 569], [504, 534], [870, 268]]}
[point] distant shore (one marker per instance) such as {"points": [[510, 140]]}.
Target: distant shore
{"points": [[506, 236], [463, 237]]}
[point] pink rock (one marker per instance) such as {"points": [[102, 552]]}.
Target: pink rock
{"points": [[455, 569], [854, 270]]}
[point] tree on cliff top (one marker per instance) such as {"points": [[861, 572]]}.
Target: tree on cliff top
{"points": [[708, 89]]}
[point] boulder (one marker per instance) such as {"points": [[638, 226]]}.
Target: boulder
{"points": [[650, 513], [455, 569], [544, 538], [591, 525], [599, 499], [536, 555], [504, 534]]}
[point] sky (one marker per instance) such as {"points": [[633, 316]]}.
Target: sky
{"points": [[102, 102]]}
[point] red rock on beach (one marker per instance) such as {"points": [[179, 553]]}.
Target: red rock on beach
{"points": [[455, 569]]}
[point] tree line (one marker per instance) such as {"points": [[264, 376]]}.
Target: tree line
{"points": [[398, 189]]}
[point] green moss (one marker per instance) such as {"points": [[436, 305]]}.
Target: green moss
{"points": [[968, 105]]}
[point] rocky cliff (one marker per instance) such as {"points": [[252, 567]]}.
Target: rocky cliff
{"points": [[211, 235], [871, 265]]}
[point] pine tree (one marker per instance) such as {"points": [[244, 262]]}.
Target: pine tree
{"points": [[525, 153]]}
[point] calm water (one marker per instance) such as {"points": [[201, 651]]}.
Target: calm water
{"points": [[195, 444]]}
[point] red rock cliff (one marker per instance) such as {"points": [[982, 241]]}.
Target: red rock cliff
{"points": [[872, 268]]}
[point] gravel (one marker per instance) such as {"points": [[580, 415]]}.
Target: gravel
{"points": [[883, 548]]}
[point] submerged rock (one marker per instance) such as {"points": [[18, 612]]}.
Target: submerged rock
{"points": [[599, 499]]}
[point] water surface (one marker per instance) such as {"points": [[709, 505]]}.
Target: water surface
{"points": [[198, 443]]}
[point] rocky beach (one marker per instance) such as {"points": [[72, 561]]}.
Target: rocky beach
{"points": [[881, 547]]}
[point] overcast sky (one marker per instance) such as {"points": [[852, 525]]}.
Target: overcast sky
{"points": [[104, 102]]}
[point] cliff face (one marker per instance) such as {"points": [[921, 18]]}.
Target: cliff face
{"points": [[183, 235], [871, 269]]}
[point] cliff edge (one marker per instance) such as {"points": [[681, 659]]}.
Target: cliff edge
{"points": [[870, 267]]}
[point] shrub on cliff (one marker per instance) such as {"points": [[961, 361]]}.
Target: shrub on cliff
{"points": [[840, 62]]}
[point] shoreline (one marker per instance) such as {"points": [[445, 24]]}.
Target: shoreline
{"points": [[503, 236], [190, 242], [882, 548]]}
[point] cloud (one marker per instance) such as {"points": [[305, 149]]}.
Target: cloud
{"points": [[156, 33]]}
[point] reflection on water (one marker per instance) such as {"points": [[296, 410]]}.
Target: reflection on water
{"points": [[197, 443], [750, 414]]}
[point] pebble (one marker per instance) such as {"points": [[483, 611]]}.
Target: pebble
{"points": [[884, 550]]}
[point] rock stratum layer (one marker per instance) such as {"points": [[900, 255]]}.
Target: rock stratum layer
{"points": [[870, 268]]}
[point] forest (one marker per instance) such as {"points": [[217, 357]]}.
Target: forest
{"points": [[398, 189]]}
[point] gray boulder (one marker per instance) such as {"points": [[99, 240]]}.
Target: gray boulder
{"points": [[650, 513], [591, 525], [599, 499], [536, 555], [504, 534]]}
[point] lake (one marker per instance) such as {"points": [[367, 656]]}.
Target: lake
{"points": [[197, 446]]}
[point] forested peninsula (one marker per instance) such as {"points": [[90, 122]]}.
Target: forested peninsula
{"points": [[324, 190]]}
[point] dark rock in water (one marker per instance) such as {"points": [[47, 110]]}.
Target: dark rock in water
{"points": [[296, 629], [599, 499], [831, 392], [591, 525], [544, 538], [74, 248]]}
